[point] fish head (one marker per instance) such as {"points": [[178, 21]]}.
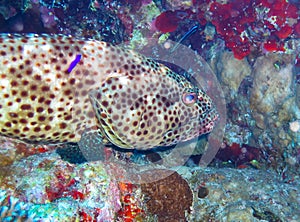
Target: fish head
{"points": [[147, 105]]}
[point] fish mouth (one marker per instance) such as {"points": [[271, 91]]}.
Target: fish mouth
{"points": [[207, 123], [203, 125]]}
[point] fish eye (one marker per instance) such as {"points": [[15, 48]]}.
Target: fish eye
{"points": [[189, 98]]}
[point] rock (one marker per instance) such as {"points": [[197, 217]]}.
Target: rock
{"points": [[259, 120], [271, 85], [243, 195], [231, 72], [237, 214], [273, 104]]}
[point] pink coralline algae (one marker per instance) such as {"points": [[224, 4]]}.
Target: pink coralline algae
{"points": [[245, 26]]}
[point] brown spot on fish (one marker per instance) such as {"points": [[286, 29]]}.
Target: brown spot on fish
{"points": [[47, 128], [26, 107], [8, 124], [48, 102], [62, 125], [37, 129], [41, 118], [12, 70], [16, 131], [24, 94], [45, 88]]}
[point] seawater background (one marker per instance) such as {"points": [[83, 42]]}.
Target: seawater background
{"points": [[253, 49]]}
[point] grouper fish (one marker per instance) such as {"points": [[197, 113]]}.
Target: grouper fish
{"points": [[54, 88]]}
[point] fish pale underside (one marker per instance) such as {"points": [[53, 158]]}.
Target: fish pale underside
{"points": [[56, 89]]}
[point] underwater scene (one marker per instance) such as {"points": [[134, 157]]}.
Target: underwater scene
{"points": [[150, 110]]}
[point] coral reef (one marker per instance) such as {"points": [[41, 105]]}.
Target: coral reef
{"points": [[242, 195], [246, 27], [262, 111], [43, 186], [57, 189]]}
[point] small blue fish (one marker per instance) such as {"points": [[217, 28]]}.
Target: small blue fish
{"points": [[185, 36]]}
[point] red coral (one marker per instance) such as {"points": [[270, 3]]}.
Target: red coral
{"points": [[77, 195], [240, 47], [60, 189], [282, 9], [130, 207], [28, 150], [272, 45], [89, 216], [62, 185], [284, 32], [168, 21], [220, 12], [85, 217], [233, 18], [240, 155]]}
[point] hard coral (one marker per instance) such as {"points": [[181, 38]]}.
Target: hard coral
{"points": [[11, 209], [169, 198]]}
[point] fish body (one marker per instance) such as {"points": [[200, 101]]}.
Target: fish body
{"points": [[54, 88]]}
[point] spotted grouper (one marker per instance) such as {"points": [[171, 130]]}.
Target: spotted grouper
{"points": [[55, 88]]}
